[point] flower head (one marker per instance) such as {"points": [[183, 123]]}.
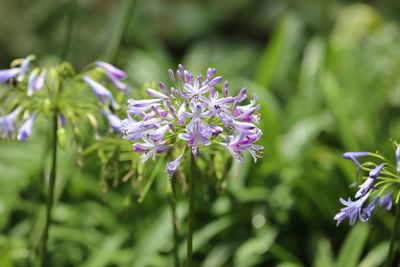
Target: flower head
{"points": [[351, 211], [192, 111]]}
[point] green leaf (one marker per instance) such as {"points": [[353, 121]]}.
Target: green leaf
{"points": [[352, 248]]}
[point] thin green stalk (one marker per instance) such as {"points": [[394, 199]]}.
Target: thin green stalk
{"points": [[192, 188], [174, 217], [396, 226], [122, 23], [50, 196], [69, 27]]}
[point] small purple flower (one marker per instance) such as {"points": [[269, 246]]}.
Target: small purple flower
{"points": [[173, 165], [8, 74], [197, 132], [7, 123], [111, 70], [353, 156], [101, 92], [26, 129], [113, 120], [150, 148], [365, 215], [194, 90], [386, 201], [376, 172], [351, 211], [36, 82], [365, 187]]}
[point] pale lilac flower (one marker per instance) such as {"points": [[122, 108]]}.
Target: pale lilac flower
{"points": [[36, 82], [376, 171], [111, 70], [173, 165], [353, 156], [365, 215], [26, 129], [7, 123], [192, 111], [113, 120], [101, 92], [18, 72], [351, 211], [386, 201], [8, 74], [369, 182], [150, 148]]}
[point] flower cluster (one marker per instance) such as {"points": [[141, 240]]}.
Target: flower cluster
{"points": [[377, 183], [34, 90], [194, 112]]}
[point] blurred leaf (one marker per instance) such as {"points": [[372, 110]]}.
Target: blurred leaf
{"points": [[352, 248]]}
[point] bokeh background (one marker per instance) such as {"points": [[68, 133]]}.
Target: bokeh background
{"points": [[327, 77]]}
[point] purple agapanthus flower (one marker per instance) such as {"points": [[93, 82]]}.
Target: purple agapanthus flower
{"points": [[36, 81], [386, 201], [114, 74], [26, 129], [353, 156], [365, 214], [351, 211], [113, 120], [101, 92], [18, 72], [194, 111], [8, 122], [369, 182]]}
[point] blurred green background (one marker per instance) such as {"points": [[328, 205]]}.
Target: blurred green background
{"points": [[327, 77]]}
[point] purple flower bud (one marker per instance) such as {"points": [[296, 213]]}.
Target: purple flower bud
{"points": [[101, 92], [159, 133], [242, 95], [163, 88], [173, 165], [215, 81], [26, 129], [353, 156], [62, 120], [181, 114], [376, 172], [386, 201], [156, 94], [225, 89], [35, 82], [119, 84], [365, 215], [111, 70], [189, 77], [199, 78], [113, 120], [365, 187], [171, 74], [8, 74], [7, 123]]}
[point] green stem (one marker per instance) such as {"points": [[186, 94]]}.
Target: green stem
{"points": [[192, 188], [50, 197], [68, 33], [396, 225], [174, 217], [122, 24]]}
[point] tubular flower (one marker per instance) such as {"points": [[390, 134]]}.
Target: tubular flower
{"points": [[375, 184], [192, 111], [26, 129], [8, 122], [17, 72]]}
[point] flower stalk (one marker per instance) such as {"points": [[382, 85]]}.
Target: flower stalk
{"points": [[174, 217], [396, 225], [192, 199], [50, 195]]}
